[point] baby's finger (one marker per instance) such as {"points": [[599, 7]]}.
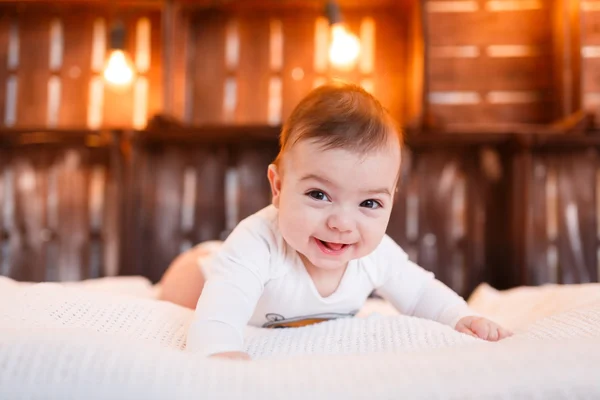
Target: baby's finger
{"points": [[467, 331], [494, 334], [481, 328]]}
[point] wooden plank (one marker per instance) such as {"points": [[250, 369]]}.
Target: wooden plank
{"points": [[577, 242], [253, 72], [166, 219], [208, 72], [33, 72], [118, 102], [402, 213], [450, 74], [298, 54], [29, 207], [5, 21], [590, 34], [155, 74], [139, 187], [417, 64], [535, 217], [390, 63], [269, 5], [209, 217], [500, 268], [178, 78], [76, 68], [477, 188], [566, 21], [485, 28], [435, 193], [254, 190], [351, 74], [73, 219], [591, 75], [489, 113]]}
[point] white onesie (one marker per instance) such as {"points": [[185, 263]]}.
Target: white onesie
{"points": [[256, 278]]}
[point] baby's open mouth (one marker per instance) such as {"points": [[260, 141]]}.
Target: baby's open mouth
{"points": [[333, 246]]}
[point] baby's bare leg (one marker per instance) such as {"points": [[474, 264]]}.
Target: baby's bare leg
{"points": [[183, 281]]}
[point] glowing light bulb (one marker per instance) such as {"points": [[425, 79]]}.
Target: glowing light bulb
{"points": [[119, 69], [344, 48]]}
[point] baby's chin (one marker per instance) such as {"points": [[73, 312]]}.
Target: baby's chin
{"points": [[334, 263]]}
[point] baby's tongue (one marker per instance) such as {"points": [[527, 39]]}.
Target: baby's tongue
{"points": [[334, 246]]}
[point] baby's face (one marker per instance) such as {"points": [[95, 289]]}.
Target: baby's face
{"points": [[334, 205]]}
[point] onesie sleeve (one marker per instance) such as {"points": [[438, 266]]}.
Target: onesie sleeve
{"points": [[239, 272], [412, 290]]}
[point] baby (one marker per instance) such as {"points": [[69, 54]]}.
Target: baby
{"points": [[320, 249]]}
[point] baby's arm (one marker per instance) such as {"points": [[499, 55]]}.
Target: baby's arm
{"points": [[415, 291], [236, 282]]}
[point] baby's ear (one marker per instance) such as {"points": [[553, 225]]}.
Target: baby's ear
{"points": [[275, 181]]}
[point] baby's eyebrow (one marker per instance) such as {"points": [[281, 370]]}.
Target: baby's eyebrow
{"points": [[316, 178], [378, 191]]}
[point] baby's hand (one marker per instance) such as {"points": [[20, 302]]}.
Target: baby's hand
{"points": [[482, 328], [233, 355]]}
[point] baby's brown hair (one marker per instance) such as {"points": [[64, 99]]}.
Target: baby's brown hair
{"points": [[339, 115]]}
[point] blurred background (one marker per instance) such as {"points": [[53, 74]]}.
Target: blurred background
{"points": [[133, 130]]}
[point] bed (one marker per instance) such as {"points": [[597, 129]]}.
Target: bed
{"points": [[110, 338]]}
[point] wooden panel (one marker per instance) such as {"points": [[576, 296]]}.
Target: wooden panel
{"points": [[390, 63], [590, 36], [33, 72], [591, 76], [298, 33], [485, 28], [590, 31], [118, 102], [252, 74], [500, 113], [537, 269], [72, 185], [505, 70], [28, 220], [564, 235], [254, 191], [485, 73], [208, 71], [268, 5], [175, 59], [5, 21], [155, 74], [77, 28], [173, 185], [437, 176], [210, 218], [168, 171]]}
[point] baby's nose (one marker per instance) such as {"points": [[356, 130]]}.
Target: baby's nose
{"points": [[340, 222]]}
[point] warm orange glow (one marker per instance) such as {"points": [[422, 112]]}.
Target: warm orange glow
{"points": [[119, 69], [344, 48]]}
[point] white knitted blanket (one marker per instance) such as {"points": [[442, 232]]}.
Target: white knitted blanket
{"points": [[67, 342]]}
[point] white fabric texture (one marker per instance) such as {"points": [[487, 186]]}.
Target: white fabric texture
{"points": [[66, 342], [257, 278]]}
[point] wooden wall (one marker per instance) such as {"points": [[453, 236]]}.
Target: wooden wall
{"points": [[590, 52], [508, 208], [59, 205], [471, 209], [445, 63], [51, 62], [250, 67]]}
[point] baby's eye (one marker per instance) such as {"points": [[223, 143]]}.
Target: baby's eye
{"points": [[372, 204], [318, 195]]}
